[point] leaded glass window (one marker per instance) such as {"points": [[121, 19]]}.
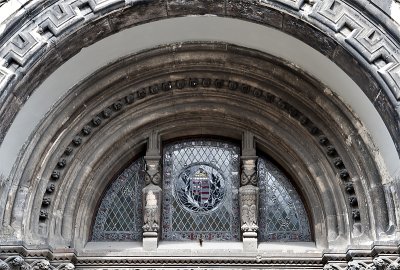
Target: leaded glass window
{"points": [[119, 216], [282, 213], [200, 190]]}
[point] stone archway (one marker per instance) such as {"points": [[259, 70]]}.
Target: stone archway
{"points": [[71, 145]]}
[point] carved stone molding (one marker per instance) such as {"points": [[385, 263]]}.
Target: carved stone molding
{"points": [[378, 263], [152, 195], [249, 160], [17, 262], [249, 208], [26, 43], [151, 211]]}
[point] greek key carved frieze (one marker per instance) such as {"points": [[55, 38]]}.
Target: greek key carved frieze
{"points": [[364, 37], [60, 17]]}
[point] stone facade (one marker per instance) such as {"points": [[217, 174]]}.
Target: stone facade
{"points": [[52, 178]]}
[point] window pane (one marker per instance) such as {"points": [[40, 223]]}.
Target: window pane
{"points": [[282, 213], [201, 180], [120, 213]]}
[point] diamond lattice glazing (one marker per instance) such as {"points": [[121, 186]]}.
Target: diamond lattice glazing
{"points": [[201, 179], [282, 213], [120, 213]]}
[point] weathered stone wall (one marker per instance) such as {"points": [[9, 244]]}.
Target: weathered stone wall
{"points": [[199, 88]]}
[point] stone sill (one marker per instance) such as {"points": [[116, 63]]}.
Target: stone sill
{"points": [[227, 249]]}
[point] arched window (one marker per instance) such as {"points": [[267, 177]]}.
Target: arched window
{"points": [[282, 216], [200, 198], [200, 190], [120, 216]]}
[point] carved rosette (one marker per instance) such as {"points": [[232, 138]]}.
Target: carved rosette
{"points": [[249, 208]]}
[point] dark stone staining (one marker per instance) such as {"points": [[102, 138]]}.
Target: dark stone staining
{"points": [[107, 113], [96, 121], [46, 201], [117, 106], [195, 7], [50, 188], [86, 130], [254, 11], [68, 151], [308, 34], [55, 175], [77, 141]]}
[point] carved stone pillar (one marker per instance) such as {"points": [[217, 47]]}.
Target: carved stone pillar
{"points": [[152, 195], [249, 193]]}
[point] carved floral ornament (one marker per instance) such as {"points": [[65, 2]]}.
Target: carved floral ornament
{"points": [[379, 263], [17, 262]]}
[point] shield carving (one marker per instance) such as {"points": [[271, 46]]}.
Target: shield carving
{"points": [[200, 187]]}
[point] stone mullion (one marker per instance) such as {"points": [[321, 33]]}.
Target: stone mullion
{"points": [[152, 195], [248, 193]]}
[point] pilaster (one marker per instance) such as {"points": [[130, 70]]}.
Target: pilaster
{"points": [[248, 193], [152, 194]]}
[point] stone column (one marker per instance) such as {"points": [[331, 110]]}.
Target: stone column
{"points": [[248, 193], [152, 195]]}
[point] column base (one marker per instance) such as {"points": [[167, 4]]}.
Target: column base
{"points": [[150, 241], [250, 241]]}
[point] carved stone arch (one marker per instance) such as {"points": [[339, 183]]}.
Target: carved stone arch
{"points": [[293, 116], [351, 38], [327, 133]]}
